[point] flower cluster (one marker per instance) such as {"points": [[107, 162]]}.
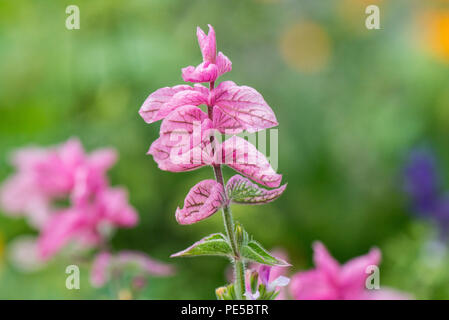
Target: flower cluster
{"points": [[423, 185], [190, 138], [65, 194], [332, 281], [188, 135], [266, 283]]}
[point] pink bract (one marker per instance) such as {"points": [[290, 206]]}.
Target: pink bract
{"points": [[213, 65], [188, 135], [203, 200]]}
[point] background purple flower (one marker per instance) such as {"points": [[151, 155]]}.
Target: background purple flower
{"points": [[422, 184]]}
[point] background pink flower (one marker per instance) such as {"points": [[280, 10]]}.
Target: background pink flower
{"points": [[332, 281]]}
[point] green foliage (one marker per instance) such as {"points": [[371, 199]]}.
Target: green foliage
{"points": [[254, 252], [342, 136], [212, 245]]}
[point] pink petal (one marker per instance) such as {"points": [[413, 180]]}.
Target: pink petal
{"points": [[325, 262], [207, 44], [245, 106], [204, 72], [35, 205], [243, 157], [223, 64], [250, 193], [203, 200], [99, 273], [103, 159], [264, 274], [353, 273], [185, 128], [225, 123], [177, 159], [71, 153], [113, 206], [193, 97], [62, 227], [158, 100], [312, 285]]}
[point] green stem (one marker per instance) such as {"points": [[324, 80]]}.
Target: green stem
{"points": [[239, 267], [239, 274], [238, 264], [227, 215]]}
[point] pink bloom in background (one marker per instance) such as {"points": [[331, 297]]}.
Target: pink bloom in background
{"points": [[187, 135], [106, 265], [332, 281], [84, 221], [45, 176]]}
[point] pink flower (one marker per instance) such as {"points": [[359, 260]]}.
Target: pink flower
{"points": [[265, 277], [332, 281], [85, 221], [235, 108], [48, 174], [274, 278], [106, 264], [188, 138], [213, 65]]}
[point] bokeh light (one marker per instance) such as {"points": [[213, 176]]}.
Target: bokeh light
{"points": [[305, 46]]}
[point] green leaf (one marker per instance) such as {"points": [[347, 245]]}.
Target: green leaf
{"points": [[213, 245], [253, 251], [242, 190]]}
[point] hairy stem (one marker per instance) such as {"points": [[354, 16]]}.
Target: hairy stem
{"points": [[238, 264]]}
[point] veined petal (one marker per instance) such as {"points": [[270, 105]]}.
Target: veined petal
{"points": [[185, 127], [177, 159], [158, 100], [242, 190], [223, 64], [193, 97], [203, 200], [245, 106], [204, 72], [207, 44], [243, 157]]}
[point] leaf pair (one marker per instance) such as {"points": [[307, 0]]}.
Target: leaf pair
{"points": [[207, 196], [218, 245]]}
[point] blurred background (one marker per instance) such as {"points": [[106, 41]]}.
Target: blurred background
{"points": [[351, 104]]}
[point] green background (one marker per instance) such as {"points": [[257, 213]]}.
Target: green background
{"points": [[344, 130]]}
